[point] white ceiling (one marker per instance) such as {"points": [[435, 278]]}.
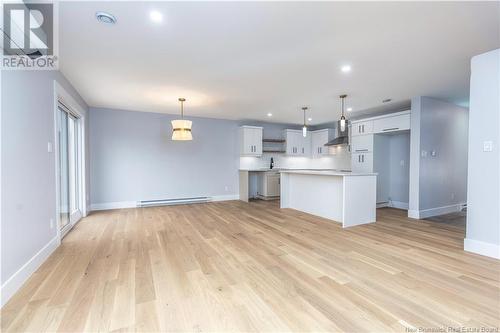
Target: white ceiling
{"points": [[241, 60]]}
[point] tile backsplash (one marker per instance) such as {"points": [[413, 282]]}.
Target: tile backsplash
{"points": [[340, 158]]}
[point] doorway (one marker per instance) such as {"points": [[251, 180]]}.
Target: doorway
{"points": [[69, 148]]}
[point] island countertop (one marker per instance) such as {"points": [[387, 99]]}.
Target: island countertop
{"points": [[327, 173]]}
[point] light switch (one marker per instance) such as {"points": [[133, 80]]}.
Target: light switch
{"points": [[488, 146], [423, 153], [49, 147]]}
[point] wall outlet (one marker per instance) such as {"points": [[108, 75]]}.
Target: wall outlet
{"points": [[488, 146], [226, 188], [51, 223], [402, 163], [433, 153], [50, 148]]}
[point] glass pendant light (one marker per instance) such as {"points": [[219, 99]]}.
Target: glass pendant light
{"points": [[342, 118], [181, 127], [304, 129]]}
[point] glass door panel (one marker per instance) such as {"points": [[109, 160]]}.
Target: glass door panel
{"points": [[63, 170], [69, 170]]}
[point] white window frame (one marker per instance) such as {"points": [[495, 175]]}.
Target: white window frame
{"points": [[60, 94]]}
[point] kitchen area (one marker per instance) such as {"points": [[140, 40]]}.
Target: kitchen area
{"points": [[343, 172]]}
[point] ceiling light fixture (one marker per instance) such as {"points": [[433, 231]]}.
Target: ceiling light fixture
{"points": [[345, 68], [304, 129], [181, 129], [269, 114], [342, 117], [106, 18], [155, 16]]}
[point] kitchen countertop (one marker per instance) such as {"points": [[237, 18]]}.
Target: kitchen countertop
{"points": [[285, 169], [327, 173]]}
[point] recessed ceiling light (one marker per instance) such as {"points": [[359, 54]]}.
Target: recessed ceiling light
{"points": [[345, 68], [309, 119], [387, 100], [156, 16], [269, 114], [104, 17], [349, 109]]}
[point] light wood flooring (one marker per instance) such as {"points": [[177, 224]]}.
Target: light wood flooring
{"points": [[234, 266]]}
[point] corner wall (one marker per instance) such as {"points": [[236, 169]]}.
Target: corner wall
{"points": [[438, 150], [483, 191]]}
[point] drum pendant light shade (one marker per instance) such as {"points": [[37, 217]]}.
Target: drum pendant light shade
{"points": [[181, 128]]}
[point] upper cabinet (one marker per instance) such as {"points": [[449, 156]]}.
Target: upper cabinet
{"points": [[250, 140], [319, 139], [296, 144], [361, 128], [383, 124], [391, 124]]}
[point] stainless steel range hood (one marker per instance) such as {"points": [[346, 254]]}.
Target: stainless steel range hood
{"points": [[342, 137]]}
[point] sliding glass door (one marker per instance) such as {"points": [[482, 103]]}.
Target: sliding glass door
{"points": [[69, 149]]}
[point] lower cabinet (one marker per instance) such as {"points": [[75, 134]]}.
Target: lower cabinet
{"points": [[269, 185], [362, 162]]}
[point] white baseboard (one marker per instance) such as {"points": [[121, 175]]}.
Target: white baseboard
{"points": [[482, 248], [113, 205], [226, 197], [425, 213], [15, 282], [413, 214], [133, 204], [398, 204]]}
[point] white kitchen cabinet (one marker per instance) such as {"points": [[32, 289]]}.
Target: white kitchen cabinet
{"points": [[362, 162], [319, 139], [399, 122], [296, 144], [361, 128], [362, 143], [269, 185], [251, 140]]}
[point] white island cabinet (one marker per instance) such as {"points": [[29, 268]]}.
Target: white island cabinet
{"points": [[345, 197]]}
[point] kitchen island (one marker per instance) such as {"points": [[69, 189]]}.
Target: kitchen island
{"points": [[345, 197]]}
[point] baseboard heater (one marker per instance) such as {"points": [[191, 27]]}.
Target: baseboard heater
{"points": [[178, 201]]}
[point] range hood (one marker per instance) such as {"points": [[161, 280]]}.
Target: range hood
{"points": [[342, 137]]}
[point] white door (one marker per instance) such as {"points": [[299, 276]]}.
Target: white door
{"points": [[69, 172], [257, 141]]}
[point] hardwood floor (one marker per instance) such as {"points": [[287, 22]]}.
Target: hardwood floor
{"points": [[233, 266]]}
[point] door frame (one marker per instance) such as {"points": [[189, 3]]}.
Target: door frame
{"points": [[60, 94]]}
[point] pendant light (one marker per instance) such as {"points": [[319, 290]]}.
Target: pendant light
{"points": [[304, 129], [342, 117], [181, 128]]}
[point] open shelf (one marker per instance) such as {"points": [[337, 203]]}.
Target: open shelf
{"points": [[273, 140], [273, 151]]}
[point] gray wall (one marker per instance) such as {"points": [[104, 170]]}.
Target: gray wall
{"points": [[399, 165], [28, 170], [133, 157], [442, 179], [483, 213]]}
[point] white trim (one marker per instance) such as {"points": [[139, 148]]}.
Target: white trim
{"points": [[226, 197], [113, 205], [413, 214], [482, 248], [425, 213], [398, 204], [15, 282]]}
